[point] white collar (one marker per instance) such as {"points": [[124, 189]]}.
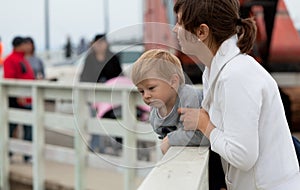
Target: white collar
{"points": [[227, 51]]}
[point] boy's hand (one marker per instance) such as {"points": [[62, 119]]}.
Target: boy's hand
{"points": [[165, 145], [196, 119]]}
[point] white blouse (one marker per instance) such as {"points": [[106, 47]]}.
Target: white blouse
{"points": [[251, 135]]}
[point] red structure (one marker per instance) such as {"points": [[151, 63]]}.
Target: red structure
{"points": [[278, 42], [285, 44], [157, 29]]}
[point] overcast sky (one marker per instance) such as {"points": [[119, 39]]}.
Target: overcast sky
{"points": [[78, 18]]}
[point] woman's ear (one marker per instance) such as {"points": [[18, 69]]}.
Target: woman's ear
{"points": [[202, 32], [175, 81]]}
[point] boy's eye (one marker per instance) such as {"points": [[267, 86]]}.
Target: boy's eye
{"points": [[141, 91], [151, 88]]}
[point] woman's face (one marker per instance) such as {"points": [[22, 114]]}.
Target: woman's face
{"points": [[28, 47], [185, 38], [179, 30], [192, 44]]}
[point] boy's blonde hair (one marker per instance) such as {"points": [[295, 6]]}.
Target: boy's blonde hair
{"points": [[156, 63]]}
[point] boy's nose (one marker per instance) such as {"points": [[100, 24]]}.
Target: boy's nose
{"points": [[147, 95]]}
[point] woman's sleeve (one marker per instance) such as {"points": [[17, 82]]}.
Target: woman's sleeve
{"points": [[42, 68], [191, 98], [240, 107]]}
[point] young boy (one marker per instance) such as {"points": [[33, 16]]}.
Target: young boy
{"points": [[159, 78]]}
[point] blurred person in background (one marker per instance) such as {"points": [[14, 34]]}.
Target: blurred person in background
{"points": [[68, 48], [35, 62], [15, 66], [82, 46], [100, 65]]}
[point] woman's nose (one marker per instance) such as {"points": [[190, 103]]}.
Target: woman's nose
{"points": [[175, 28]]}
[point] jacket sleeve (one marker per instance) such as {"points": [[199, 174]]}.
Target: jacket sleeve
{"points": [[42, 68], [113, 67], [189, 98], [240, 105], [181, 137], [9, 70]]}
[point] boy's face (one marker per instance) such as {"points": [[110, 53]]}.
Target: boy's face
{"points": [[157, 93]]}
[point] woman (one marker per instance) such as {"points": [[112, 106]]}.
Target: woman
{"points": [[242, 115], [35, 62]]}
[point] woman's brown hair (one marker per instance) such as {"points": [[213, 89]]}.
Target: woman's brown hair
{"points": [[222, 18]]}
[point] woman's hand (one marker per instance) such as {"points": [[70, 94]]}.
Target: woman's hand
{"points": [[196, 119]]}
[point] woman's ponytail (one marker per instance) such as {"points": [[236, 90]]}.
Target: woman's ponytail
{"points": [[246, 34]]}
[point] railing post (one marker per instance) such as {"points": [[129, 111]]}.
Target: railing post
{"points": [[4, 150], [80, 146], [38, 139], [130, 141]]}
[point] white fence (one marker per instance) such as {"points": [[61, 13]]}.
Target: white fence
{"points": [[179, 163], [127, 127]]}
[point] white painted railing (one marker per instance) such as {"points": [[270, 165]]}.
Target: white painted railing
{"points": [[180, 168], [80, 122]]}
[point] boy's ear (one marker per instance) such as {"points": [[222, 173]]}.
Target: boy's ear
{"points": [[175, 81]]}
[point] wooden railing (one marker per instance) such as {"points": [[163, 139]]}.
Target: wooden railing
{"points": [[80, 122]]}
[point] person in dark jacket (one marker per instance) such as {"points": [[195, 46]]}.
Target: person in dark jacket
{"points": [[100, 64]]}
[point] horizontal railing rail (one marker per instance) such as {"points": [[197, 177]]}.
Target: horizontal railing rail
{"points": [[180, 168]]}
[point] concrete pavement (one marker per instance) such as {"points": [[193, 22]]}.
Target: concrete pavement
{"points": [[61, 176]]}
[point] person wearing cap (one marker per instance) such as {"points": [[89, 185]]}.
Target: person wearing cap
{"points": [[15, 66]]}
